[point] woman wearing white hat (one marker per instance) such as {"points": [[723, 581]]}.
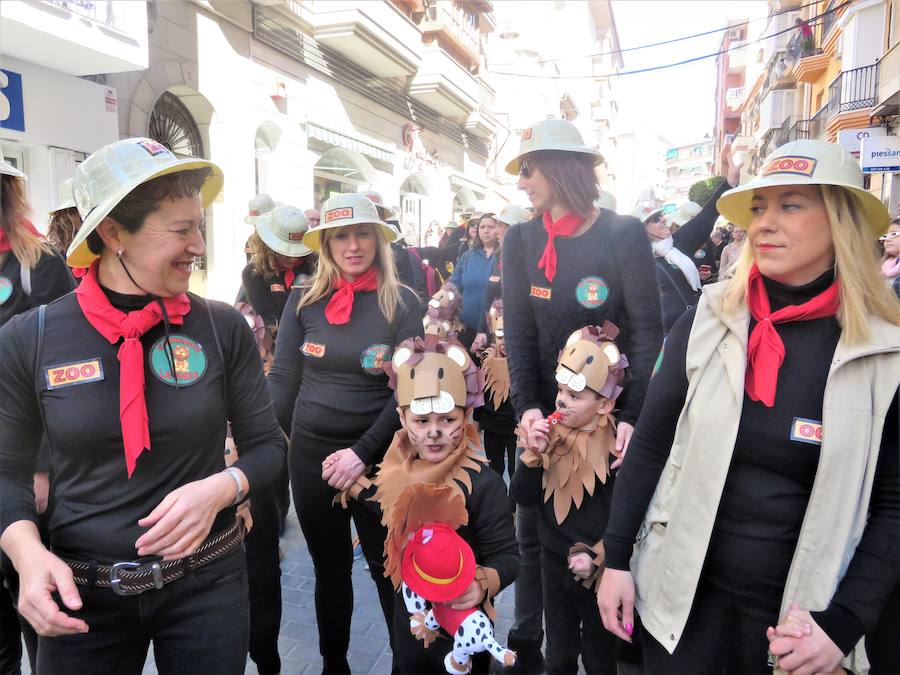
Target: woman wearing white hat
{"points": [[333, 398], [279, 261], [65, 221], [570, 267], [132, 380], [763, 477]]}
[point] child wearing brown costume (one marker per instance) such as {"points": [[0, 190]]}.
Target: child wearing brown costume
{"points": [[566, 469]]}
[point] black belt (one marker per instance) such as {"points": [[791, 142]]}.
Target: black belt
{"points": [[133, 578]]}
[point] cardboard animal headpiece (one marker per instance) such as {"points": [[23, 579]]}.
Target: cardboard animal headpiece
{"points": [[495, 318], [441, 318], [591, 359], [434, 376]]}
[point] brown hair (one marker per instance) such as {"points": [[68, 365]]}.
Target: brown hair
{"points": [[134, 208], [27, 247], [62, 228], [478, 243], [573, 183], [263, 258]]}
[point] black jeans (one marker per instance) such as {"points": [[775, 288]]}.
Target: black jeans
{"points": [[501, 451], [13, 628], [264, 581], [725, 635], [882, 645], [197, 624], [326, 528], [572, 622]]}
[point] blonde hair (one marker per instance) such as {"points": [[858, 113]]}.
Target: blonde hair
{"points": [[263, 258], [862, 288], [328, 272], [27, 247]]}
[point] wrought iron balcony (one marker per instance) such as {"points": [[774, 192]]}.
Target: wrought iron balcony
{"points": [[816, 125], [853, 90]]}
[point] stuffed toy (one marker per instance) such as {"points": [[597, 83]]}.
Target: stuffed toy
{"points": [[441, 319]]}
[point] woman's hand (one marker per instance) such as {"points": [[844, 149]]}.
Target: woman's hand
{"points": [[539, 436], [471, 597], [184, 517], [624, 432], [812, 653], [615, 599], [529, 417], [40, 574], [41, 491], [581, 563], [343, 469], [734, 170]]}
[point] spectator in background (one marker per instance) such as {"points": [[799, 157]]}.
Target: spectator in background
{"points": [[890, 263], [312, 216], [433, 235], [473, 273], [731, 253]]}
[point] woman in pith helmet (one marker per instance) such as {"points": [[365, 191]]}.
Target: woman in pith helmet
{"points": [[762, 481], [131, 380]]}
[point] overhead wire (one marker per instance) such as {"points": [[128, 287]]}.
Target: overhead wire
{"points": [[810, 21]]}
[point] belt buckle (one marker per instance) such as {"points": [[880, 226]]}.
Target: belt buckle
{"points": [[115, 583]]}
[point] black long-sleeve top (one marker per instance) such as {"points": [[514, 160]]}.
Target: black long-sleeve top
{"points": [[605, 274], [585, 524], [327, 380], [97, 505], [268, 294], [675, 293], [490, 530], [771, 477], [50, 279]]}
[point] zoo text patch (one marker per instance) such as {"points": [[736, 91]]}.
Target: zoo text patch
{"points": [[67, 374]]}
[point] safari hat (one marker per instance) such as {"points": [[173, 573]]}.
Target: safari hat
{"points": [[806, 162], [644, 211], [107, 176], [605, 201], [258, 206], [553, 134], [686, 212], [341, 210], [282, 230], [65, 200], [8, 169], [375, 197], [513, 214]]}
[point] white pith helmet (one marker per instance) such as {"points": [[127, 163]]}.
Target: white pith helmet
{"points": [[552, 134], [282, 230], [513, 214], [347, 209], [65, 198]]}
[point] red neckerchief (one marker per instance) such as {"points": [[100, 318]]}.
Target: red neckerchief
{"points": [[114, 325], [4, 238], [564, 227], [338, 309], [765, 349], [289, 275], [80, 272]]}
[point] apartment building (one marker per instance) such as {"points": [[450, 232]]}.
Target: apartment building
{"points": [[685, 165], [731, 78]]}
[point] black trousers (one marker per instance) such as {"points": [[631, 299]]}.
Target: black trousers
{"points": [[882, 645], [500, 450], [326, 528], [197, 624], [725, 635], [264, 582], [572, 622]]}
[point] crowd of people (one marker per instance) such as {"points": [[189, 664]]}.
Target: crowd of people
{"points": [[676, 432]]}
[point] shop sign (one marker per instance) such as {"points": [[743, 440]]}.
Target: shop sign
{"points": [[880, 155], [12, 106], [850, 139]]}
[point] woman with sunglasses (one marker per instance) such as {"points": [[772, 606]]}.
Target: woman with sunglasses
{"points": [[762, 486], [571, 266], [890, 263]]}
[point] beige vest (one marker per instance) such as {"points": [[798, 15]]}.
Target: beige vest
{"points": [[673, 540]]}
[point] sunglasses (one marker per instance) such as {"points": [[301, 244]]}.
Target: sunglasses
{"points": [[524, 169], [888, 236]]}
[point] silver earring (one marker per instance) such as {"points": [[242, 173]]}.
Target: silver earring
{"points": [[119, 254]]}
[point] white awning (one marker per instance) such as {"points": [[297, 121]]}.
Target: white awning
{"points": [[347, 142]]}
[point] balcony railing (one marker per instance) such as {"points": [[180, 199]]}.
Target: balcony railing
{"points": [[800, 48], [853, 90], [816, 125], [798, 131], [829, 18], [445, 15], [782, 134], [100, 11]]}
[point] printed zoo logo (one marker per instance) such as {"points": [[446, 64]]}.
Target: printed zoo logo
{"points": [[188, 357]]}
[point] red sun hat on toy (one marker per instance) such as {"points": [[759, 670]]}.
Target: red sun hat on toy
{"points": [[438, 564]]}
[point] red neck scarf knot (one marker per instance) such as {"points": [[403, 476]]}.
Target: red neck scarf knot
{"points": [[564, 227], [114, 325], [339, 308], [765, 348]]}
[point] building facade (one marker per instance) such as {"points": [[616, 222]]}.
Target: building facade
{"points": [[731, 72], [685, 165], [642, 168]]}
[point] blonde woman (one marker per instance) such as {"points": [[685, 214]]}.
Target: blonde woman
{"points": [[332, 397], [763, 474]]}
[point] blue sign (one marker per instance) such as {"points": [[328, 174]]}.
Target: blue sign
{"points": [[12, 106]]}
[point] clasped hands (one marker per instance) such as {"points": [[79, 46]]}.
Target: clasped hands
{"points": [[802, 647]]}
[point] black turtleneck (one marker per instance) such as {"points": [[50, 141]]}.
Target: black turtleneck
{"points": [[770, 478], [76, 377]]}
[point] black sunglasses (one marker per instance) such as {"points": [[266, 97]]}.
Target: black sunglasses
{"points": [[524, 169]]}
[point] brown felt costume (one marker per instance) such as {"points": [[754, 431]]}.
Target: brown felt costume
{"points": [[496, 376]]}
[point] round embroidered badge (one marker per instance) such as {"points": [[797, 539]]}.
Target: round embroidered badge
{"points": [[700, 253], [188, 356], [373, 358], [592, 292], [6, 289]]}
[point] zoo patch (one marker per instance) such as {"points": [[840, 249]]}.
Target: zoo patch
{"points": [[312, 349], [188, 355], [794, 166], [339, 214], [541, 292], [6, 289], [806, 431], [373, 358], [592, 292], [68, 374], [277, 288], [153, 147]]}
